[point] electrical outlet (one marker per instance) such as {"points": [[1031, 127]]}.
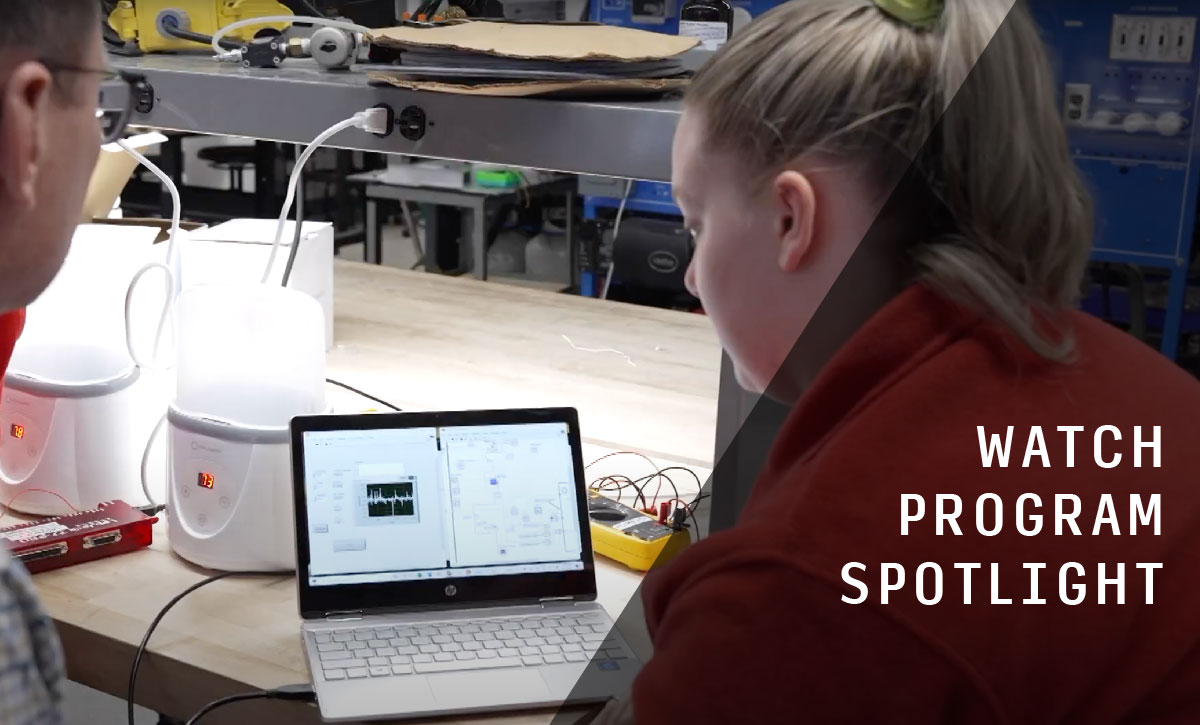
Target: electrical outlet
{"points": [[1077, 103], [1142, 38], [1122, 30], [1184, 40], [1163, 40]]}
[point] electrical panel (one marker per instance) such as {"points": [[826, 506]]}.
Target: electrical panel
{"points": [[1127, 83]]}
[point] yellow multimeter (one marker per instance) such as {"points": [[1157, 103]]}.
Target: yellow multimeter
{"points": [[631, 537]]}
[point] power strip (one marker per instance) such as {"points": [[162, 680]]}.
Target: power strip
{"points": [[635, 539]]}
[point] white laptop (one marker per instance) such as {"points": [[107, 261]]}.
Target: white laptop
{"points": [[444, 565]]}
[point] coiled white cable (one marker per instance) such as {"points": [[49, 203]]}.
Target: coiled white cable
{"points": [[171, 268], [162, 322], [236, 55]]}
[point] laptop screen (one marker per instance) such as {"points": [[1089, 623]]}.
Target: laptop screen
{"points": [[440, 502]]}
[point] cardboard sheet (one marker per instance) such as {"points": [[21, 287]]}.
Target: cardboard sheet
{"points": [[582, 89], [545, 41], [112, 172]]}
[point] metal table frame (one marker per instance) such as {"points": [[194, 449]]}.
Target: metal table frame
{"points": [[476, 200]]}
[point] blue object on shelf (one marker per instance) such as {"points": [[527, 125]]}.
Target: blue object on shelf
{"points": [[660, 16], [651, 197]]}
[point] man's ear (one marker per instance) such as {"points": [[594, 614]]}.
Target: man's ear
{"points": [[796, 204], [23, 101]]}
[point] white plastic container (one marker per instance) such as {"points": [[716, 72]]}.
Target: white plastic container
{"points": [[507, 255], [251, 357], [237, 252], [547, 257], [77, 428], [76, 412]]}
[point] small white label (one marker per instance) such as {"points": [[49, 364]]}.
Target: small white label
{"points": [[631, 522], [20, 536], [712, 35]]}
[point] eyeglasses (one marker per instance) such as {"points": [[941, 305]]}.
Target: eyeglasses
{"points": [[118, 97]]}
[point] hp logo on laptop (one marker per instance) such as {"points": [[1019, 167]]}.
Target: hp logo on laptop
{"points": [[451, 590]]}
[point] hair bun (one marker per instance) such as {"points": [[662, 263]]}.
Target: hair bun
{"points": [[917, 13]]}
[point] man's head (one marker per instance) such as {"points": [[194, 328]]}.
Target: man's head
{"points": [[49, 135]]}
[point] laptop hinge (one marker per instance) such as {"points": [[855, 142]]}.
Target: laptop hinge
{"points": [[349, 614], [556, 601]]}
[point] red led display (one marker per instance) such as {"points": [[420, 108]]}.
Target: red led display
{"points": [[206, 480], [18, 431]]}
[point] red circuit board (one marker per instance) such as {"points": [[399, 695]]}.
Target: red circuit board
{"points": [[113, 527]]}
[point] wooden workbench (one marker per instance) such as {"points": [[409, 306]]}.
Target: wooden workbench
{"points": [[422, 342]]}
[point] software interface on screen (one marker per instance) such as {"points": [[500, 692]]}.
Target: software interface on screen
{"points": [[421, 503]]}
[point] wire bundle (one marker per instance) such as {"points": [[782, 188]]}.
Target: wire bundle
{"points": [[620, 483]]}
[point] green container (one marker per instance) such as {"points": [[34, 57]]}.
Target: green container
{"points": [[497, 178]]}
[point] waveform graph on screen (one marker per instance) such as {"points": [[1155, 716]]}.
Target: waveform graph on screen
{"points": [[388, 502], [390, 499]]}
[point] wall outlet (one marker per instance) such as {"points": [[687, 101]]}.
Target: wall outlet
{"points": [[1122, 32], [1143, 31], [1163, 39], [1077, 103], [1183, 40]]}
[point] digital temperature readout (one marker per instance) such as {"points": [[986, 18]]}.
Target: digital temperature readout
{"points": [[206, 480], [17, 431]]}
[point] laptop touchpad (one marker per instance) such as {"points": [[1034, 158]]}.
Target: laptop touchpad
{"points": [[493, 687]]}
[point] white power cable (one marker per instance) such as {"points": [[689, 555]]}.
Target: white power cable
{"points": [[172, 271], [162, 323], [236, 55], [294, 181], [171, 268], [616, 230], [373, 120], [146, 459]]}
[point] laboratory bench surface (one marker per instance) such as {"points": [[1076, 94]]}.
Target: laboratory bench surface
{"points": [[422, 342]]}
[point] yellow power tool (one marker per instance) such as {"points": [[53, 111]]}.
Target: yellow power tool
{"points": [[143, 21]]}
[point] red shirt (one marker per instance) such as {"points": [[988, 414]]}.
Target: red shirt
{"points": [[11, 325], [750, 626]]}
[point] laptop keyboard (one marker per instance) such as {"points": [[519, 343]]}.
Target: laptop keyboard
{"points": [[425, 648]]}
